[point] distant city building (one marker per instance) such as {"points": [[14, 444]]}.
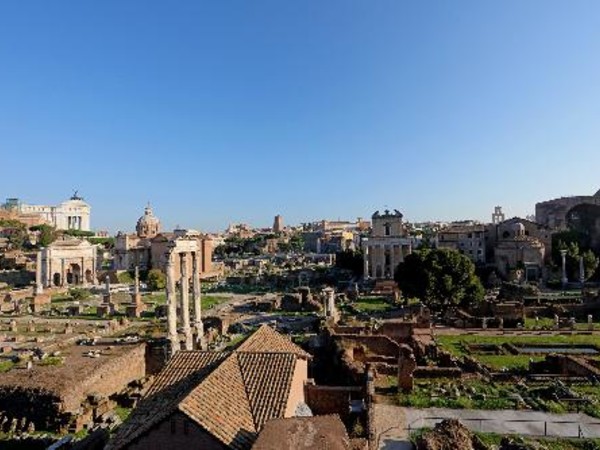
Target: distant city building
{"points": [[278, 224], [147, 249], [73, 214], [466, 237], [516, 250], [387, 245], [580, 213]]}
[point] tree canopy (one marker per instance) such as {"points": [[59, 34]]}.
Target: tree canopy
{"points": [[157, 280], [439, 278]]}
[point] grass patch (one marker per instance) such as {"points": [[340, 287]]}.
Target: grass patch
{"points": [[5, 366], [122, 412], [51, 361], [457, 344], [208, 301], [458, 394], [372, 304], [509, 362]]}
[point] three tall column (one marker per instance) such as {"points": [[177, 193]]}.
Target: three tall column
{"points": [[184, 305]]}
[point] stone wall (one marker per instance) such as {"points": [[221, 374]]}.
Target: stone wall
{"points": [[324, 400], [375, 345], [109, 379]]}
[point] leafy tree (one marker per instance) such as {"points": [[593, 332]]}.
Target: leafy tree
{"points": [[47, 234], [350, 260], [574, 252], [440, 278], [156, 280]]}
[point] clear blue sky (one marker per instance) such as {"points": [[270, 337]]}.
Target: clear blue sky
{"points": [[227, 111]]}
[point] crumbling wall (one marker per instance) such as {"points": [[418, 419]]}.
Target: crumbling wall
{"points": [[110, 378]]}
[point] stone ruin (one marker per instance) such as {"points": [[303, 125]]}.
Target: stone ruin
{"points": [[301, 301]]}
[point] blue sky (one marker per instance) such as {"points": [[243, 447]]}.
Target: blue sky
{"points": [[219, 112]]}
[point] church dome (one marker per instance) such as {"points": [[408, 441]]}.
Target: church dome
{"points": [[148, 225]]}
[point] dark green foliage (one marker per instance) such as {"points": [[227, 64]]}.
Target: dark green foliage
{"points": [[576, 245], [47, 234], [156, 280], [440, 278], [351, 260], [79, 233]]}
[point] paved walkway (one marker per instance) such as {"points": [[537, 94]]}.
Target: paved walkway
{"points": [[392, 423]]}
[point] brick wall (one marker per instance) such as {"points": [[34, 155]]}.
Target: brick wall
{"points": [[376, 345], [176, 432], [331, 399], [109, 379]]}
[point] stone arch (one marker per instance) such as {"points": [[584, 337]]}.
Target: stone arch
{"points": [[56, 279]]}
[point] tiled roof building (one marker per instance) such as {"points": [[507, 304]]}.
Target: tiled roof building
{"points": [[214, 400]]}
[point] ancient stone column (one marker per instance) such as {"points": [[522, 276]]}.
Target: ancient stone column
{"points": [[171, 306], [63, 273], [136, 286], [565, 280], [366, 268], [185, 303], [39, 286], [196, 289]]}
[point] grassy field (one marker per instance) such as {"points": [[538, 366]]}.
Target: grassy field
{"points": [[457, 344], [208, 301], [460, 394], [372, 304]]}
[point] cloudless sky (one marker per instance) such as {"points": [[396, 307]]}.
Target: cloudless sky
{"points": [[226, 111]]}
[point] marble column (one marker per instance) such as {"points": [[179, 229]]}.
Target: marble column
{"points": [[63, 273], [185, 302], [565, 280], [366, 263], [196, 289], [39, 287], [171, 306]]}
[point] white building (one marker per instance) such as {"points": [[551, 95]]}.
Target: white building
{"points": [[73, 214], [387, 245]]}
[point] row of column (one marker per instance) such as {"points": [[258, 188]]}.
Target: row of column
{"points": [[184, 304]]}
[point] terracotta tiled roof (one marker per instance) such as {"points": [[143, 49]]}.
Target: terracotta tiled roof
{"points": [[182, 374], [266, 339], [267, 377], [231, 396], [304, 433], [220, 405], [185, 364]]}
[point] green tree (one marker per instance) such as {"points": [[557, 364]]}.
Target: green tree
{"points": [[574, 252], [350, 260], [440, 278], [156, 280], [47, 234]]}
